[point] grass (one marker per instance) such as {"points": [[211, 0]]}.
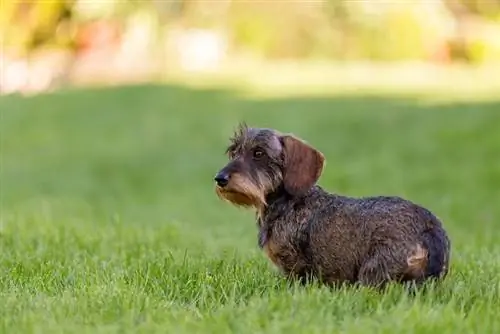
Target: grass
{"points": [[109, 222]]}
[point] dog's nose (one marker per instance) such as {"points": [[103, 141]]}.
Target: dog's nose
{"points": [[222, 179]]}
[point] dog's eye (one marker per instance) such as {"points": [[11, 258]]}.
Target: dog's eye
{"points": [[258, 154]]}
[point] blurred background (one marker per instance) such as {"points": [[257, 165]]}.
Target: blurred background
{"points": [[49, 43], [115, 115]]}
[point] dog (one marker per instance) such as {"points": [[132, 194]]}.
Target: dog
{"points": [[309, 233]]}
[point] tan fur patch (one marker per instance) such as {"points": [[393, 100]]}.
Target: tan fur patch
{"points": [[417, 262], [271, 252]]}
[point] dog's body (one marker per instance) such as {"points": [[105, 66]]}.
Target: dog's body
{"points": [[340, 239], [308, 232]]}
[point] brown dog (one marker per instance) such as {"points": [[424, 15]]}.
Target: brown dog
{"points": [[308, 232]]}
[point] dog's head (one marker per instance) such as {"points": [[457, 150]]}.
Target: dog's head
{"points": [[263, 160]]}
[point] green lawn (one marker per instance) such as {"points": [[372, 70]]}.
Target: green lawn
{"points": [[109, 222]]}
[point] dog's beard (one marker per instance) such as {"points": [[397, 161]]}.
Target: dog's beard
{"points": [[237, 198], [242, 192]]}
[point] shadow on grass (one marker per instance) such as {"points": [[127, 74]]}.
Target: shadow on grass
{"points": [[149, 153], [115, 146]]}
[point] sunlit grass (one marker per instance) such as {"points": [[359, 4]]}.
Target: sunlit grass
{"points": [[109, 222]]}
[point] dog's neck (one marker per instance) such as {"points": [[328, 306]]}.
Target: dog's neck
{"points": [[279, 195], [280, 202]]}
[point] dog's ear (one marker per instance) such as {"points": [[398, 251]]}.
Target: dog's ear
{"points": [[303, 165]]}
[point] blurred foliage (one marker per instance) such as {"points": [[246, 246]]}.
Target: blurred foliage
{"points": [[337, 29], [26, 25], [487, 8]]}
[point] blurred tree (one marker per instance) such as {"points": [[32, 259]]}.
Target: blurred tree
{"points": [[26, 25], [338, 14], [339, 29], [485, 8], [472, 18], [169, 10]]}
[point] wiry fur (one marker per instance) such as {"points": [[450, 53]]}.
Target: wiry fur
{"points": [[308, 232]]}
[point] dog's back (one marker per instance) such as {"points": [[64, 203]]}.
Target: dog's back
{"points": [[375, 238]]}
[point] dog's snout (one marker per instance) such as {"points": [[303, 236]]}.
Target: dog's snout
{"points": [[222, 179]]}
